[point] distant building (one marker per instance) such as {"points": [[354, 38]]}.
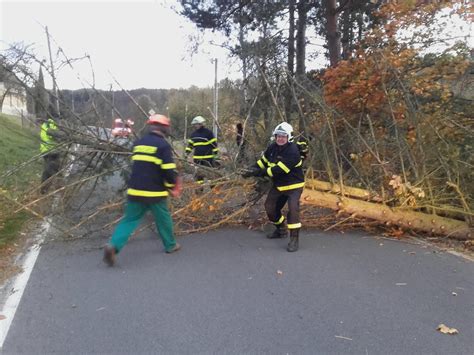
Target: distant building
{"points": [[12, 100]]}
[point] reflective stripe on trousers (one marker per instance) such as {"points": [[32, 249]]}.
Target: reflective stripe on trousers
{"points": [[275, 202]]}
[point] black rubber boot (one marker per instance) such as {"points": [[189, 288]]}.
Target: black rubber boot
{"points": [[293, 244], [279, 232], [109, 255]]}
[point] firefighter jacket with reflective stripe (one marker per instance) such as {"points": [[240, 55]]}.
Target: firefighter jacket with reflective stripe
{"points": [[204, 144], [303, 147], [153, 169], [47, 141], [284, 165]]}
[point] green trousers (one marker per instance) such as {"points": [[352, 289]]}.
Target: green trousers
{"points": [[134, 212]]}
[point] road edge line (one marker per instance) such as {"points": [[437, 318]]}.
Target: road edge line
{"points": [[13, 300]]}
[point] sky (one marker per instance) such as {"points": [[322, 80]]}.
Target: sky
{"points": [[139, 44]]}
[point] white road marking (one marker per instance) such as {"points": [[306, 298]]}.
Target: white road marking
{"points": [[12, 302]]}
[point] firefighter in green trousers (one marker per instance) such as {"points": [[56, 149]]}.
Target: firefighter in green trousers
{"points": [[153, 178]]}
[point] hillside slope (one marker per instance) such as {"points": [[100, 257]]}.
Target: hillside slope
{"points": [[17, 146]]}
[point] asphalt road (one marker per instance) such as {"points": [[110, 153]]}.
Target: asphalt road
{"points": [[234, 291]]}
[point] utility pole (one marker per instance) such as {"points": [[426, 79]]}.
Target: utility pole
{"points": [[216, 98], [55, 89]]}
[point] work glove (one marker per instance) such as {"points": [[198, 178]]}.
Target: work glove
{"points": [[253, 171]]}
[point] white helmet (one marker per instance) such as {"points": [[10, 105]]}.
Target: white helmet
{"points": [[198, 120], [284, 129]]}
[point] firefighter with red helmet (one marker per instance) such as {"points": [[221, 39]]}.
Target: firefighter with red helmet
{"points": [[152, 180], [282, 162]]}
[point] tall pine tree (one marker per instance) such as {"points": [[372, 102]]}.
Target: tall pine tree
{"points": [[41, 97]]}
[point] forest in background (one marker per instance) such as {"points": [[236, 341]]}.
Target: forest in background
{"points": [[387, 116]]}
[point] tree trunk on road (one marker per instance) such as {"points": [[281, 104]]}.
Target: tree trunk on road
{"points": [[346, 190], [407, 219]]}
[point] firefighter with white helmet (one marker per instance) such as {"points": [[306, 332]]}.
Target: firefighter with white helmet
{"points": [[284, 128], [153, 178], [198, 120], [204, 145], [300, 142], [282, 162]]}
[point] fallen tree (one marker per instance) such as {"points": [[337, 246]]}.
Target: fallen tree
{"points": [[346, 190], [390, 216], [366, 195]]}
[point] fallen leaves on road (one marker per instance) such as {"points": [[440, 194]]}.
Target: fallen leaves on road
{"points": [[446, 330], [341, 337], [394, 233]]}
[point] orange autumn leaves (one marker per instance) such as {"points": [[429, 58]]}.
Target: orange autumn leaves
{"points": [[365, 84], [386, 77], [389, 80]]}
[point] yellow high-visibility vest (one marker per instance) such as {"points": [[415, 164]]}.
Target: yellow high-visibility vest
{"points": [[47, 142]]}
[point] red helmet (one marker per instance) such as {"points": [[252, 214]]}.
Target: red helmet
{"points": [[158, 119]]}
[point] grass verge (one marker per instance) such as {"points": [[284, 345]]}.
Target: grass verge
{"points": [[18, 145]]}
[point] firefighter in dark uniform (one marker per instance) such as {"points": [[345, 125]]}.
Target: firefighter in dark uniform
{"points": [[153, 178], [302, 144], [204, 144], [282, 162]]}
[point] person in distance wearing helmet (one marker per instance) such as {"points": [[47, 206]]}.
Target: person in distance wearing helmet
{"points": [[153, 178], [50, 137], [204, 144], [282, 162]]}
